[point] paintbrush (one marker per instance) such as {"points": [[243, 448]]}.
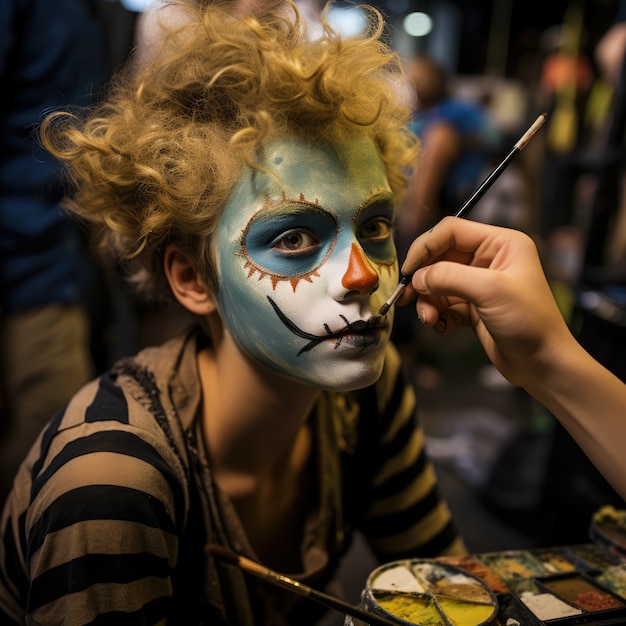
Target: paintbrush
{"points": [[279, 580], [474, 198]]}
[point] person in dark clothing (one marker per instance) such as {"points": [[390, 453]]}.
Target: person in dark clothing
{"points": [[51, 56]]}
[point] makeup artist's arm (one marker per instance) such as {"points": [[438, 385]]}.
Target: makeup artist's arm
{"points": [[491, 278]]}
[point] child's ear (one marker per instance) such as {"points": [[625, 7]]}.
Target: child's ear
{"points": [[185, 281]]}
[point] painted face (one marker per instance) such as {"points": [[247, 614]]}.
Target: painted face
{"points": [[305, 260]]}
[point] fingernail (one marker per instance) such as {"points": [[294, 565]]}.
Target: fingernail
{"points": [[440, 326], [421, 316]]}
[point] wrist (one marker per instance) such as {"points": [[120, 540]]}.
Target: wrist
{"points": [[559, 373]]}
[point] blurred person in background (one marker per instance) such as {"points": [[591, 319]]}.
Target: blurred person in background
{"points": [[51, 56], [456, 140]]}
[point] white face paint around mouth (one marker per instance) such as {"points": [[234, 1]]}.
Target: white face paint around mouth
{"points": [[305, 259]]}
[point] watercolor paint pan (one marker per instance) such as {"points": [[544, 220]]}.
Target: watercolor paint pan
{"points": [[558, 560], [513, 565], [422, 591], [474, 566], [613, 578], [511, 609], [593, 557], [598, 605]]}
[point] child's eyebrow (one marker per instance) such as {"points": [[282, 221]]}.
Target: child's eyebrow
{"points": [[377, 196], [297, 205]]}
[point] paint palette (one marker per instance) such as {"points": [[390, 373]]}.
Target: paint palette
{"points": [[429, 592], [556, 587]]}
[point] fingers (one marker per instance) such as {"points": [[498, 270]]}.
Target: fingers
{"points": [[449, 293], [446, 278], [457, 238], [430, 245], [454, 280], [443, 314], [429, 309]]}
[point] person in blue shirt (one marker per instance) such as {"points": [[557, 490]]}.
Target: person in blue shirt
{"points": [[456, 138]]}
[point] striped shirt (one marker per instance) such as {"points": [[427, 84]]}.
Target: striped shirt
{"points": [[111, 509]]}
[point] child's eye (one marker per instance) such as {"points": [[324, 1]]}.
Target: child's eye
{"points": [[297, 241], [377, 229]]}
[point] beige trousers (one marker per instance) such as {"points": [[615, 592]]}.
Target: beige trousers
{"points": [[44, 360]]}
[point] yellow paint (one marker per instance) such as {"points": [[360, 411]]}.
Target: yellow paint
{"points": [[462, 613], [411, 608]]}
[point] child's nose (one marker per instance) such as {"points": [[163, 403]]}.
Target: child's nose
{"points": [[360, 275]]}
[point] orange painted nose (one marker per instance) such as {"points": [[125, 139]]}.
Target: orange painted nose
{"points": [[360, 275]]}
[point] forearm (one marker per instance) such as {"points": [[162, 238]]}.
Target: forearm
{"points": [[590, 402]]}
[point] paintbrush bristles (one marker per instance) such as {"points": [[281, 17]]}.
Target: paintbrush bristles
{"points": [[252, 567]]}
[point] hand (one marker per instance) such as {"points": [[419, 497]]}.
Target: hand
{"points": [[468, 273]]}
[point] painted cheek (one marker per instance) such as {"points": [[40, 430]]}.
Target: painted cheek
{"points": [[360, 274]]}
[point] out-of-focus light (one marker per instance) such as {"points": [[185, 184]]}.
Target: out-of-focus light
{"points": [[417, 24], [136, 5], [349, 21]]}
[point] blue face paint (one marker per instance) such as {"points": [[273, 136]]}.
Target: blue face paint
{"points": [[289, 240], [305, 259]]}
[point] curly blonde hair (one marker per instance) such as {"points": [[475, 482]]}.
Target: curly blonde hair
{"points": [[156, 160]]}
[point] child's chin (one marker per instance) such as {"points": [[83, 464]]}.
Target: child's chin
{"points": [[352, 381]]}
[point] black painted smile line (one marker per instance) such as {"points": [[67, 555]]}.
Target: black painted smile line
{"points": [[314, 340]]}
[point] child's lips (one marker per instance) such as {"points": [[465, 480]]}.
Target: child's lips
{"points": [[360, 334]]}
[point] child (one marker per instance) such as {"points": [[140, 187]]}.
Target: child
{"points": [[251, 175]]}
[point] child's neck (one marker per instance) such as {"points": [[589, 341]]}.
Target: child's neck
{"points": [[252, 417]]}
